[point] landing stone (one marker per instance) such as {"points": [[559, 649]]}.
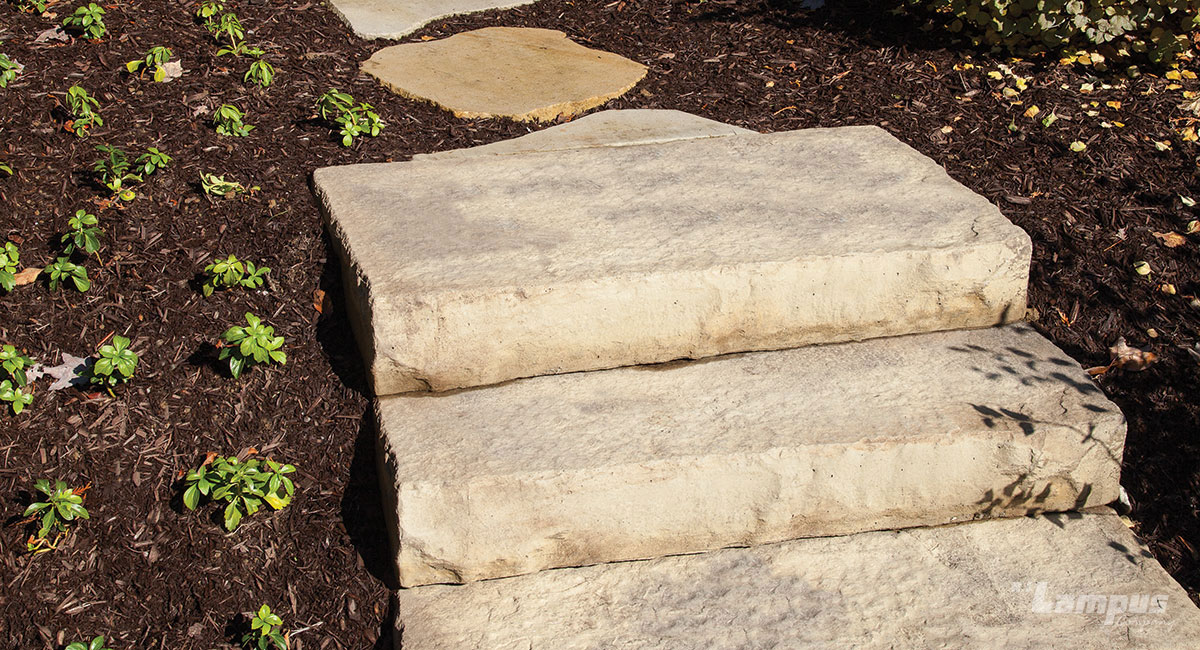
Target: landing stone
{"points": [[520, 73], [617, 128], [643, 462], [985, 585], [477, 270], [398, 18]]}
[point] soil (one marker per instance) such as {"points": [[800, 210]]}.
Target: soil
{"points": [[148, 573]]}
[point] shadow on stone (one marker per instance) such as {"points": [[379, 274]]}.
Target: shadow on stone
{"points": [[362, 506], [334, 332]]}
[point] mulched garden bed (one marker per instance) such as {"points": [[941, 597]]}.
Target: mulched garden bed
{"points": [[148, 573]]}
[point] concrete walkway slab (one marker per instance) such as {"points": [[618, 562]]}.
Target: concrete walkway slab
{"points": [[520, 73], [1066, 582], [474, 271], [748, 449], [616, 128], [399, 18]]}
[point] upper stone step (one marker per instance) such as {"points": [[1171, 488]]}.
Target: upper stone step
{"points": [[480, 269], [747, 449], [399, 18], [1067, 582]]}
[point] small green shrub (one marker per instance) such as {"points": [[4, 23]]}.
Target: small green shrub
{"points": [[16, 397], [84, 234], [339, 109], [231, 272], [116, 172], [8, 70], [116, 364], [261, 72], [214, 185], [1125, 29], [87, 20], [154, 60], [64, 269], [63, 506], [265, 631], [14, 363], [10, 259], [33, 6], [228, 121], [244, 486], [207, 11], [246, 346], [96, 644], [153, 160], [83, 109]]}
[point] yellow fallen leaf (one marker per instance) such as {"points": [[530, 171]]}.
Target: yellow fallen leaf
{"points": [[1189, 134], [1078, 146], [1190, 94], [995, 74], [1113, 105], [1162, 145], [1173, 75], [947, 129], [1170, 239], [1173, 87], [1009, 92], [28, 276], [1119, 125], [1032, 111], [1187, 74], [964, 66], [1141, 268]]}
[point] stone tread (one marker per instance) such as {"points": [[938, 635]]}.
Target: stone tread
{"points": [[478, 270], [649, 461], [398, 18], [972, 585]]}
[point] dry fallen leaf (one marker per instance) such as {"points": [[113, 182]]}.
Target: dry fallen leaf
{"points": [[319, 300], [1170, 239], [28, 276], [1128, 357]]}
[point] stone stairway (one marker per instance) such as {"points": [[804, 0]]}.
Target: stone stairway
{"points": [[854, 363]]}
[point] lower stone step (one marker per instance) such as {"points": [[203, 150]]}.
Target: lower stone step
{"points": [[643, 462], [1055, 581]]}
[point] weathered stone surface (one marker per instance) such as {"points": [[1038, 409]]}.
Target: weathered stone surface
{"points": [[618, 128], [478, 270], [399, 18], [983, 585], [520, 73], [650, 461]]}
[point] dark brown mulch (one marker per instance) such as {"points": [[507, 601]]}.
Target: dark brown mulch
{"points": [[150, 574]]}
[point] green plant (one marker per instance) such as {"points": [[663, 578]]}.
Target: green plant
{"points": [[338, 108], [244, 346], [6, 169], [84, 235], [8, 70], [96, 644], [207, 10], [1122, 28], [17, 398], [10, 258], [214, 185], [244, 486], [88, 20], [116, 364], [230, 272], [64, 269], [228, 120], [14, 363], [83, 108], [153, 160], [62, 507], [261, 72], [228, 31], [154, 60], [33, 6], [265, 631]]}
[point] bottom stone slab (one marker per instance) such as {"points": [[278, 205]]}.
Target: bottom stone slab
{"points": [[1056, 581]]}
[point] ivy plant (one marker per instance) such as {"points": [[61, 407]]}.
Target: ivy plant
{"points": [[154, 60], [8, 70], [83, 111], [14, 363], [266, 631], [244, 486], [61, 509], [17, 397], [95, 644], [246, 346], [115, 365], [232, 272], [84, 235], [64, 269], [10, 258], [87, 20], [228, 121], [339, 109]]}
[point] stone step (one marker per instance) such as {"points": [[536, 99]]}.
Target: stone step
{"points": [[481, 269], [1080, 581], [399, 18], [644, 462]]}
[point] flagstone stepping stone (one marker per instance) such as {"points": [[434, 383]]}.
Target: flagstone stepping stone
{"points": [[482, 269], [399, 18], [520, 73], [644, 462], [1068, 582], [615, 128]]}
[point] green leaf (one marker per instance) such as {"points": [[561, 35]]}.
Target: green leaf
{"points": [[191, 497]]}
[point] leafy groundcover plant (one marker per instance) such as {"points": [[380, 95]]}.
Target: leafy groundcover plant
{"points": [[245, 346], [266, 631], [338, 108], [244, 486], [10, 258], [115, 365], [87, 20], [95, 644], [62, 508], [231, 272]]}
